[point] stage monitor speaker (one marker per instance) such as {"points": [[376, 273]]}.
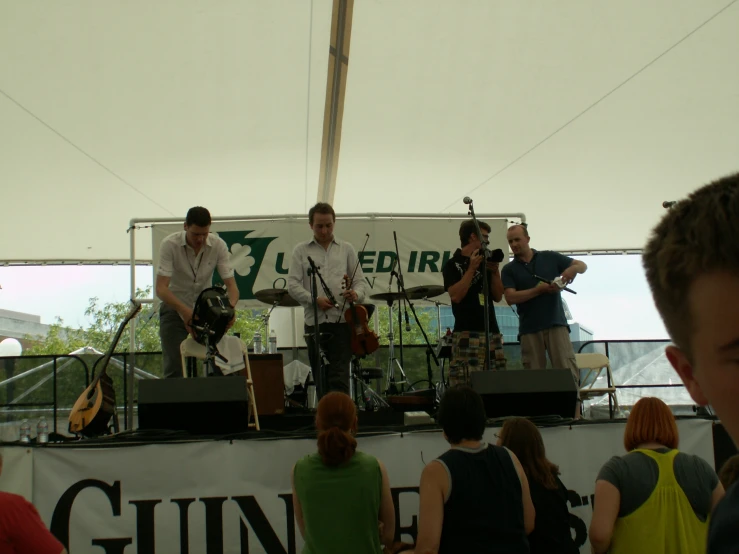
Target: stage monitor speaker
{"points": [[526, 392], [199, 405]]}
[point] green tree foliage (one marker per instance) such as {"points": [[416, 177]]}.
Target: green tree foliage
{"points": [[414, 362], [90, 344], [426, 319]]}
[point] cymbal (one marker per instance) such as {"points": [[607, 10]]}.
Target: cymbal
{"points": [[425, 291], [387, 296], [280, 296], [414, 293]]}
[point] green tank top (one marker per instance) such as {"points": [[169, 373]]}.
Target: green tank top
{"points": [[665, 523], [341, 505]]}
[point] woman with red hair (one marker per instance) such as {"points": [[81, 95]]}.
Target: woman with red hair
{"points": [[342, 496], [654, 499]]}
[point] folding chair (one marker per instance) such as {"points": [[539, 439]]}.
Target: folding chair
{"points": [[594, 364], [190, 348]]}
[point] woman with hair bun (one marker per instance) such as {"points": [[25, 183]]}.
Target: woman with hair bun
{"points": [[342, 496]]}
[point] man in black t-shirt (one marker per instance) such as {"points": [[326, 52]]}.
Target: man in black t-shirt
{"points": [[463, 281]]}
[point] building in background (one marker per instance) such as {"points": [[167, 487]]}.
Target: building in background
{"points": [[18, 325], [580, 333], [508, 323]]}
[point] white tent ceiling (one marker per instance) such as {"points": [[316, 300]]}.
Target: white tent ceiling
{"points": [[585, 115]]}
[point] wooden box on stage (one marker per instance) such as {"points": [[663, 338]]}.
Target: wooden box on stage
{"points": [[269, 382]]}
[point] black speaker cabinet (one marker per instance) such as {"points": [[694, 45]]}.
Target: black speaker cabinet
{"points": [[199, 405], [526, 392]]}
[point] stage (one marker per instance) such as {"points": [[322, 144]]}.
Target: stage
{"points": [[169, 492]]}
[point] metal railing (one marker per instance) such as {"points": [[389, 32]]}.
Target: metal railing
{"points": [[11, 402], [607, 344], [607, 350], [7, 385], [148, 366]]}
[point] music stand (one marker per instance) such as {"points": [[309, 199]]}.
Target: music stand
{"points": [[321, 361]]}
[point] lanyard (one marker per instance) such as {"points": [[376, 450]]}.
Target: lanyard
{"points": [[198, 262]]}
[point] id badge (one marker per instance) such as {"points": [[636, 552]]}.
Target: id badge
{"points": [[481, 299]]}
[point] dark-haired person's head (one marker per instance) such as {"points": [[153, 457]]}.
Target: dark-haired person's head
{"points": [[336, 421], [322, 208], [198, 216], [197, 227], [650, 421], [462, 415], [692, 266], [468, 232], [321, 219], [729, 473], [523, 438]]}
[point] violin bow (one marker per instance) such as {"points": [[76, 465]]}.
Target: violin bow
{"points": [[356, 267]]}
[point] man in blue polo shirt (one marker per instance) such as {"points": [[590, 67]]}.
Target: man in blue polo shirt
{"points": [[543, 325]]}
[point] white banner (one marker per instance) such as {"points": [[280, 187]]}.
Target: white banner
{"points": [[234, 497], [17, 471], [261, 250]]}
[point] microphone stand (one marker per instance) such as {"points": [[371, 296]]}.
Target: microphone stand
{"points": [[401, 288], [316, 361], [440, 347], [485, 286], [320, 360], [211, 351], [438, 312]]}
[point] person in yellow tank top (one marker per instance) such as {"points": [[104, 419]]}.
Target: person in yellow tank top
{"points": [[654, 499]]}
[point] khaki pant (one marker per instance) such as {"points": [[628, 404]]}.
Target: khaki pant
{"points": [[556, 341]]}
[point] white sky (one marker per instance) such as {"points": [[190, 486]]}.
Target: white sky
{"points": [[613, 298]]}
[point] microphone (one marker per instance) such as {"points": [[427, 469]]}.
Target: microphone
{"points": [[667, 204], [549, 282], [407, 322], [467, 200], [324, 358]]}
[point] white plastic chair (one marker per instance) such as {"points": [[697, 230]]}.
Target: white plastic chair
{"points": [[593, 365], [190, 348]]}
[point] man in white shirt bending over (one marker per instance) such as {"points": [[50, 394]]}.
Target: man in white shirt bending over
{"points": [[187, 260]]}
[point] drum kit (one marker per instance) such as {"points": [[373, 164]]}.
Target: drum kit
{"points": [[360, 377]]}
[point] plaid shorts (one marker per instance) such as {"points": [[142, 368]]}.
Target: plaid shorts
{"points": [[468, 355]]}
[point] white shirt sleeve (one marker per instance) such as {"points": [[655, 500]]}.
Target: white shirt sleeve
{"points": [[295, 279], [225, 269], [359, 284], [166, 259]]}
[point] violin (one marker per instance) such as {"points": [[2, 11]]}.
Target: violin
{"points": [[363, 340]]}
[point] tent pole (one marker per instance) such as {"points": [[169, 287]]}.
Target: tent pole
{"points": [[132, 332]]}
